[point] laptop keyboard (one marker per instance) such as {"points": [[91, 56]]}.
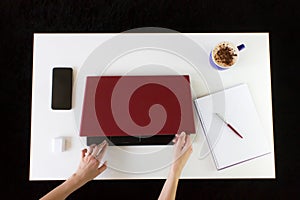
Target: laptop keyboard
{"points": [[129, 140]]}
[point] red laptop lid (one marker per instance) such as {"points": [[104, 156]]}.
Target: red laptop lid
{"points": [[137, 106]]}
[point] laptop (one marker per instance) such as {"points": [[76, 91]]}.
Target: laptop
{"points": [[136, 110]]}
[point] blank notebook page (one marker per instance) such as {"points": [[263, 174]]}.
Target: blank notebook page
{"points": [[238, 109]]}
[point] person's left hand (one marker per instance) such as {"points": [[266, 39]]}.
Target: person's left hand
{"points": [[90, 160]]}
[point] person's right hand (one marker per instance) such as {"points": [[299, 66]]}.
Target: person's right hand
{"points": [[182, 151]]}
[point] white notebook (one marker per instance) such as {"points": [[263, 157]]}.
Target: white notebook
{"points": [[236, 106]]}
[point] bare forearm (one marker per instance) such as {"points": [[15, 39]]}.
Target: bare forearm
{"points": [[169, 189], [65, 189]]}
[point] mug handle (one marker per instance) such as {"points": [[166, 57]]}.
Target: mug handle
{"points": [[241, 47]]}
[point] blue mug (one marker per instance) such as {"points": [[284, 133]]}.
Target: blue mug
{"points": [[225, 55]]}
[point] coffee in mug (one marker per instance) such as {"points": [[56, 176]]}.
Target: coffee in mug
{"points": [[225, 55]]}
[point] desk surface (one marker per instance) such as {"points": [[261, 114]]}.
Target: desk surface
{"points": [[142, 162]]}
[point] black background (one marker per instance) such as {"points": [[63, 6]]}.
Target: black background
{"points": [[20, 19]]}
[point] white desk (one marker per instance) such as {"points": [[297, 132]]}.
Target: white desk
{"points": [[142, 162]]}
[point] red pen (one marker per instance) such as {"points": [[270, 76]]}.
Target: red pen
{"points": [[231, 127]]}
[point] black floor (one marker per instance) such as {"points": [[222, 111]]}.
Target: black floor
{"points": [[20, 19]]}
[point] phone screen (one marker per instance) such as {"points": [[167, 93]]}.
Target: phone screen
{"points": [[62, 88]]}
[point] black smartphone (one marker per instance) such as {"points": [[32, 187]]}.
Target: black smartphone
{"points": [[62, 79]]}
